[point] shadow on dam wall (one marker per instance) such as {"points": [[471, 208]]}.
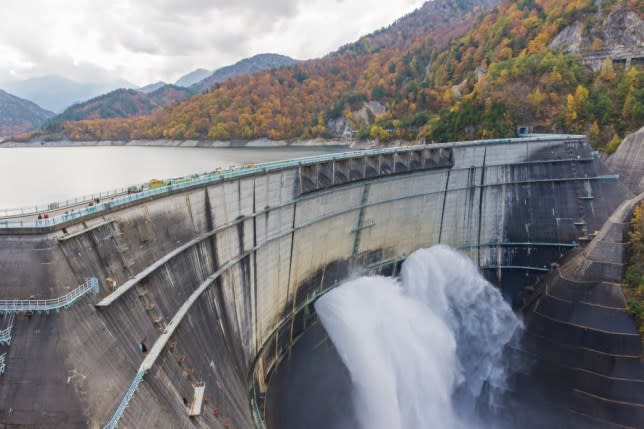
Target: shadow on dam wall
{"points": [[195, 283]]}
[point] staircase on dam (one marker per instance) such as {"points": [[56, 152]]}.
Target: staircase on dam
{"points": [[209, 281]]}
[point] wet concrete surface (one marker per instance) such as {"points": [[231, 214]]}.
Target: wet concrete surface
{"points": [[311, 388]]}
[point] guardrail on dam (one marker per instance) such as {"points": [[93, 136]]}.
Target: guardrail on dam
{"points": [[196, 278]]}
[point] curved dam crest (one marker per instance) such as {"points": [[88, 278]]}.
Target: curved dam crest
{"points": [[196, 282]]}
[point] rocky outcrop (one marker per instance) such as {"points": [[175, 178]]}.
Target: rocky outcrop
{"points": [[340, 127], [343, 128], [619, 29], [569, 39], [628, 161]]}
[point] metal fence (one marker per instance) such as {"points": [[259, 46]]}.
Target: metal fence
{"points": [[120, 410], [46, 305], [5, 334]]}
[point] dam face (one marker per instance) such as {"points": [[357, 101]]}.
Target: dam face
{"points": [[201, 289]]}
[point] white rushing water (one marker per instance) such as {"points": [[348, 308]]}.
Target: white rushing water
{"points": [[420, 350]]}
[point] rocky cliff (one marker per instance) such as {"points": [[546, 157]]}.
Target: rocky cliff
{"points": [[628, 161], [620, 28]]}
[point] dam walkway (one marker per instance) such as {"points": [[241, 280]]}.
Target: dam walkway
{"points": [[321, 171], [46, 305]]}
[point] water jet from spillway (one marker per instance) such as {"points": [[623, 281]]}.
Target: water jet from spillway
{"points": [[421, 350]]}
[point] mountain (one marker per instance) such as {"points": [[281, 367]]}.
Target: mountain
{"points": [[298, 100], [450, 70], [522, 65], [151, 87], [193, 77], [56, 93], [18, 115], [121, 103], [250, 65]]}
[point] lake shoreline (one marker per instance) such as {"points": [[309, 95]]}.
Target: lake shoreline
{"points": [[40, 174], [254, 144]]}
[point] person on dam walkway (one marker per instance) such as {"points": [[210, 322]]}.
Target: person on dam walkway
{"points": [[142, 346]]}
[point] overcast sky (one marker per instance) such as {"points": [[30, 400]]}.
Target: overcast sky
{"points": [[144, 41]]}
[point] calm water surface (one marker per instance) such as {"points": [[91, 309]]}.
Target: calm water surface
{"points": [[30, 176]]}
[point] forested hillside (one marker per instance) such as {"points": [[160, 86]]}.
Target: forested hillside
{"points": [[297, 101], [446, 71], [18, 115], [122, 103]]}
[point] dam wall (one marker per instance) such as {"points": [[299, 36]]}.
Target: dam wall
{"points": [[584, 345], [196, 281]]}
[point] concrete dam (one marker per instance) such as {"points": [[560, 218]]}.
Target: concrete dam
{"points": [[172, 308]]}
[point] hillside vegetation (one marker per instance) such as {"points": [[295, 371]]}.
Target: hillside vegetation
{"points": [[634, 275], [122, 103], [18, 115], [447, 71]]}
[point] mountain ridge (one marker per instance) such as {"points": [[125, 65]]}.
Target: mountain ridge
{"points": [[193, 77], [292, 101], [122, 103], [56, 93], [447, 71], [18, 115], [253, 64]]}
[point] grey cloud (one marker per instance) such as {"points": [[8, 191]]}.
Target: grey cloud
{"points": [[276, 8], [162, 39]]}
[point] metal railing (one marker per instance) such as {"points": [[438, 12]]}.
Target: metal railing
{"points": [[5, 334], [46, 305], [3, 365], [119, 198], [120, 410], [69, 203], [615, 53]]}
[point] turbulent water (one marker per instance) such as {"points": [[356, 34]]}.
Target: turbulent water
{"points": [[423, 351]]}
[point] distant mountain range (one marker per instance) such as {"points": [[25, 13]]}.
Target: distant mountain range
{"points": [[18, 115], [451, 70], [193, 77], [151, 87], [123, 103], [56, 93], [250, 65]]}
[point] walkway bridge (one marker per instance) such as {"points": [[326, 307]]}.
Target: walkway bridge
{"points": [[596, 57], [14, 306], [208, 280]]}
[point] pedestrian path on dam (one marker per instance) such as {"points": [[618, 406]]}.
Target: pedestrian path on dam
{"points": [[197, 277]]}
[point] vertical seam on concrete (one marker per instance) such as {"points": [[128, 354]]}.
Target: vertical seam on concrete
{"points": [[254, 306], [189, 206], [356, 238], [290, 262], [478, 243], [440, 229], [210, 224]]}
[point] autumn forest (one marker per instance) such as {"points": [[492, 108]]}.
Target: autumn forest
{"points": [[447, 71]]}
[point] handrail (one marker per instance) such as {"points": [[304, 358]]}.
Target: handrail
{"points": [[52, 304], [5, 334], [120, 197], [612, 52], [69, 203], [120, 410]]}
